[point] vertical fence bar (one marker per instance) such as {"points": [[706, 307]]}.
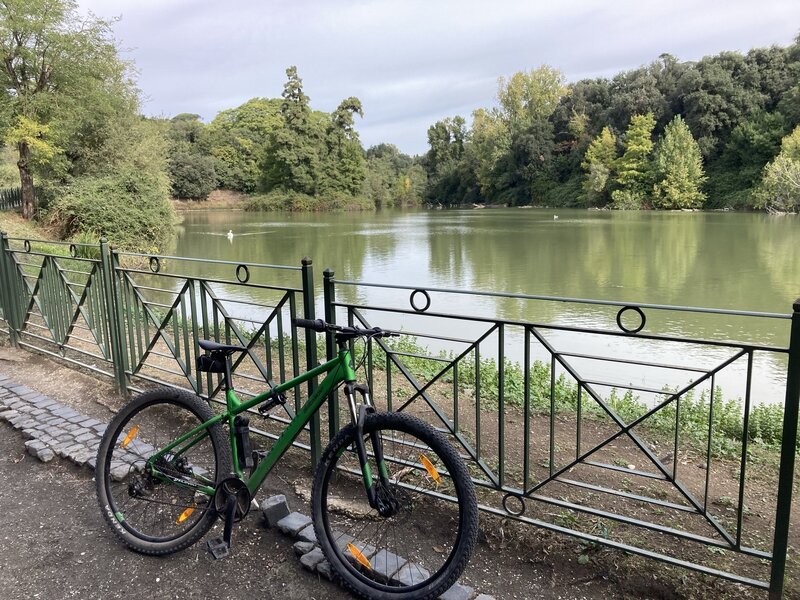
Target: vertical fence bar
{"points": [[526, 433], [501, 403], [710, 445], [6, 295], [477, 402], [788, 449], [115, 323], [311, 354], [552, 452], [745, 439], [123, 319], [329, 297]]}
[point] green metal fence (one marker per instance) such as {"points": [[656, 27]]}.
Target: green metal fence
{"points": [[573, 416]]}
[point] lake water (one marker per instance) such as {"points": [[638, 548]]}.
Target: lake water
{"points": [[722, 260]]}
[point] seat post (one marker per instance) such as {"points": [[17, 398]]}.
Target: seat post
{"points": [[228, 377]]}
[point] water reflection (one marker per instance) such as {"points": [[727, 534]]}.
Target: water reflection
{"points": [[722, 260]]}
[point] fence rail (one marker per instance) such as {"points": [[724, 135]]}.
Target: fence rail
{"points": [[574, 416]]}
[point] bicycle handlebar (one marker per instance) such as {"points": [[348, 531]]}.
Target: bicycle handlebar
{"points": [[321, 326], [315, 325]]}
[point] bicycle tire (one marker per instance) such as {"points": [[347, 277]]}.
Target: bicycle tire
{"points": [[382, 580], [148, 422]]}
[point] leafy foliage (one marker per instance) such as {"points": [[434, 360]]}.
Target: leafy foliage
{"points": [[130, 208], [780, 189], [192, 176], [633, 171], [533, 146], [678, 169], [65, 81], [599, 162]]}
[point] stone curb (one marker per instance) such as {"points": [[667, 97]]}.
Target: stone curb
{"points": [[298, 527]]}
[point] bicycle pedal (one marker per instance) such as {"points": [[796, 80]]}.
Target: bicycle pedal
{"points": [[219, 548]]}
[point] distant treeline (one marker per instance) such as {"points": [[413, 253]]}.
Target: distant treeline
{"points": [[721, 132], [667, 135]]}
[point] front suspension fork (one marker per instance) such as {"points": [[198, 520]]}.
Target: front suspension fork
{"points": [[358, 413]]}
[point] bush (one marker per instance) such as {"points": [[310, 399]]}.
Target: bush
{"points": [[131, 209], [297, 201], [193, 176]]}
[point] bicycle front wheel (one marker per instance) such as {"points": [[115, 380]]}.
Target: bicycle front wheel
{"points": [[419, 543], [160, 502]]}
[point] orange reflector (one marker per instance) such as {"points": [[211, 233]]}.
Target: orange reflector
{"points": [[429, 468], [129, 438], [359, 556], [185, 515]]}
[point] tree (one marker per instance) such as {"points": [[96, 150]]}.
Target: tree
{"points": [[780, 189], [293, 156], [678, 169], [185, 132], [601, 155], [633, 167], [192, 175], [51, 59], [239, 139], [528, 97], [345, 164]]}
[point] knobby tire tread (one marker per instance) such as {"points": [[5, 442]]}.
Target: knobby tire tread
{"points": [[460, 477], [186, 400]]}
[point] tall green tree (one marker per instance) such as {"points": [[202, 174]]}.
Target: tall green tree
{"points": [[239, 139], [633, 167], [678, 169], [52, 60], [345, 163], [780, 189], [293, 158], [601, 155]]}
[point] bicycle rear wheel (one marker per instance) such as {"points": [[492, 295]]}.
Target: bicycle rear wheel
{"points": [[420, 547], [159, 503]]}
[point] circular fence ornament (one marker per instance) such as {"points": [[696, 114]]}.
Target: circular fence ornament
{"points": [[242, 274], [155, 264], [413, 297], [510, 508], [73, 250], [27, 245], [638, 311]]}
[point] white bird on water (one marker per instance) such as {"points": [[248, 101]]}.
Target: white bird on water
{"points": [[230, 234]]}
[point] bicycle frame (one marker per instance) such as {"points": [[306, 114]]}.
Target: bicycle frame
{"points": [[339, 370]]}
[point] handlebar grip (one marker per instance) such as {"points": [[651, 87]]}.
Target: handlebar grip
{"points": [[315, 325]]}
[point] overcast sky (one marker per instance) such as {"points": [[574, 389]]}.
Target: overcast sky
{"points": [[412, 62]]}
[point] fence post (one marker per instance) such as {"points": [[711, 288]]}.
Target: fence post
{"points": [[311, 354], [114, 321], [788, 449], [7, 297], [329, 297]]}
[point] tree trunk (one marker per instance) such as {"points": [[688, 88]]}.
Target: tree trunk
{"points": [[26, 181]]}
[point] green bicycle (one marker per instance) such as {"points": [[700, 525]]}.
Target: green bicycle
{"points": [[382, 494]]}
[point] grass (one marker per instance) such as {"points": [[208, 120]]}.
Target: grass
{"points": [[765, 426]]}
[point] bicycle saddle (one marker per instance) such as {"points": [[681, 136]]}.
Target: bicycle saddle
{"points": [[211, 346]]}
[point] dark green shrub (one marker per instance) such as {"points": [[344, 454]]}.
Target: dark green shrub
{"points": [[131, 209], [192, 176]]}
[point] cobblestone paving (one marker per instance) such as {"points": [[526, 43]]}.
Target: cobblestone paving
{"points": [[53, 428]]}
